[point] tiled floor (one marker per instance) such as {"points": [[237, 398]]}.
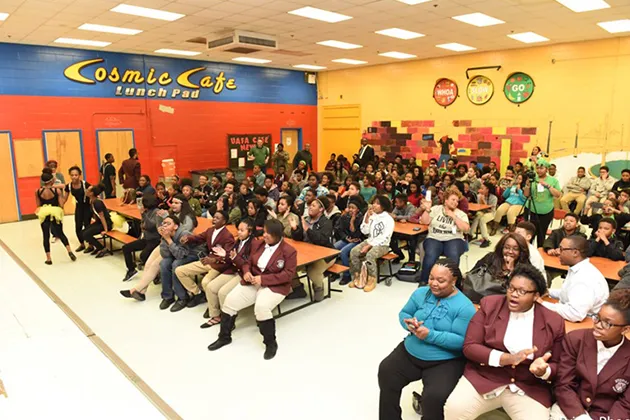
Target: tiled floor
{"points": [[325, 368]]}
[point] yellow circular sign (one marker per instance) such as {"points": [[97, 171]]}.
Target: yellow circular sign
{"points": [[480, 90]]}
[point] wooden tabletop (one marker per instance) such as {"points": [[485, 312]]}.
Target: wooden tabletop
{"points": [[477, 207], [608, 268], [307, 253], [408, 228]]}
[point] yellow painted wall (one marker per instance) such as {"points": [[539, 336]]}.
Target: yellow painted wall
{"points": [[579, 86]]}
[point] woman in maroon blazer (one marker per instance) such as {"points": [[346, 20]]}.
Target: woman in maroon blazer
{"points": [[266, 282], [513, 347], [594, 371]]}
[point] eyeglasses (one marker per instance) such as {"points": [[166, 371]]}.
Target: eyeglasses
{"points": [[519, 292], [511, 248], [567, 249], [605, 324]]}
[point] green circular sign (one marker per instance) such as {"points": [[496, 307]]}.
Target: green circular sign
{"points": [[519, 87]]}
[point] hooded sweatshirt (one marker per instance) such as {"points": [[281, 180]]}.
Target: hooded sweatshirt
{"points": [[379, 229]]}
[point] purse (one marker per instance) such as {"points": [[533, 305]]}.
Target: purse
{"points": [[363, 274], [479, 283]]}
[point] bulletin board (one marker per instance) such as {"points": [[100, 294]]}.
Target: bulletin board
{"points": [[239, 145], [29, 157]]}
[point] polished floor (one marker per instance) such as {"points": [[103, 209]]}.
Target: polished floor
{"points": [[325, 368]]}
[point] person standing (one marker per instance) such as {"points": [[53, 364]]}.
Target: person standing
{"points": [[280, 158], [83, 212], [447, 147], [540, 208], [129, 172], [259, 155], [102, 222], [366, 153], [107, 176], [304, 155]]}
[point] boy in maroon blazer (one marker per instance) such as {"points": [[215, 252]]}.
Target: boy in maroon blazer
{"points": [[594, 373], [267, 276]]}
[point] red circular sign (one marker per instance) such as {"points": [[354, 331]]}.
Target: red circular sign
{"points": [[445, 92]]}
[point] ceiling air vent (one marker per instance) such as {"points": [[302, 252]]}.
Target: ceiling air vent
{"points": [[244, 43]]}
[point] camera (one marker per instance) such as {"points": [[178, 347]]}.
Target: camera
{"points": [[531, 175]]}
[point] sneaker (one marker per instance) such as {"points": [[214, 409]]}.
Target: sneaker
{"points": [[130, 274], [80, 248], [72, 256], [138, 296], [166, 303], [485, 243], [126, 293]]}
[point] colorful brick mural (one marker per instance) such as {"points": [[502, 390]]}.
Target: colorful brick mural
{"points": [[480, 143]]}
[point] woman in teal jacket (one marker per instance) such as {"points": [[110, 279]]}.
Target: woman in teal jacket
{"points": [[437, 318]]}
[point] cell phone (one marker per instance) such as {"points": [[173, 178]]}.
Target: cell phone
{"points": [[416, 229], [428, 195], [597, 205]]}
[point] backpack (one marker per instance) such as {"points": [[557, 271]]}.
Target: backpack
{"points": [[410, 272]]}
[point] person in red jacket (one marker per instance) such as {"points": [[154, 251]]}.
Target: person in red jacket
{"points": [[513, 346], [594, 371], [267, 276]]}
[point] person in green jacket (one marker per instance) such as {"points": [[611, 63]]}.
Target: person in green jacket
{"points": [[259, 155]]}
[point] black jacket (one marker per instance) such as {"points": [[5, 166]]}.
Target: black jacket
{"points": [[614, 250], [368, 156], [342, 227], [321, 233], [553, 240]]}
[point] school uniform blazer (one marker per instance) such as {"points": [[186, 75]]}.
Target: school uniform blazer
{"points": [[240, 258], [580, 389], [280, 270], [486, 332], [224, 238]]}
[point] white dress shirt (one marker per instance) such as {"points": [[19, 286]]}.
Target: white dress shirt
{"points": [[518, 336], [266, 255], [363, 148], [536, 260], [604, 354], [215, 234], [242, 244], [583, 292]]}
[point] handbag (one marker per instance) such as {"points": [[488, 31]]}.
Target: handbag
{"points": [[479, 283], [362, 276]]}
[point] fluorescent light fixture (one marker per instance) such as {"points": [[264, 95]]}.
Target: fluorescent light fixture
{"points": [[579, 6], [109, 29], [319, 14], [84, 42], [251, 60], [414, 2], [398, 55], [146, 12], [616, 26], [454, 46], [308, 67], [478, 19], [176, 52], [4, 16], [339, 44], [528, 37], [399, 33], [349, 61]]}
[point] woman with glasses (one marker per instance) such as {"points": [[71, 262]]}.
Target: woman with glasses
{"points": [[594, 370], [436, 317], [513, 346]]}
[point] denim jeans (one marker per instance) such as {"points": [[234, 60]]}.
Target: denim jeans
{"points": [[443, 158], [433, 249], [170, 281], [345, 248]]}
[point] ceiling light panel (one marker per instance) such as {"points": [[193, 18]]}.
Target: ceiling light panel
{"points": [[177, 52], [528, 37], [339, 44], [580, 6], [616, 26], [308, 67], [398, 55], [251, 60], [414, 2], [349, 61], [399, 33], [83, 42], [319, 14], [478, 19], [146, 12], [454, 46], [109, 29], [3, 16]]}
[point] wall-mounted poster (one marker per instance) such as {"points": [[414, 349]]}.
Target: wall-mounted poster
{"points": [[239, 145], [445, 92], [480, 90], [519, 87]]}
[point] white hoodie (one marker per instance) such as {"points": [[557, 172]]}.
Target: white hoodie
{"points": [[379, 229]]}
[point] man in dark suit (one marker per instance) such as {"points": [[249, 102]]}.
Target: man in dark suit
{"points": [[129, 172], [366, 153], [593, 380], [266, 282]]}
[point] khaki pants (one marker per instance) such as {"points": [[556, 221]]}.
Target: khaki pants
{"points": [[481, 220], [315, 271], [465, 403], [263, 299], [373, 254], [186, 275], [151, 270], [511, 210], [217, 290], [570, 197], [556, 413]]}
